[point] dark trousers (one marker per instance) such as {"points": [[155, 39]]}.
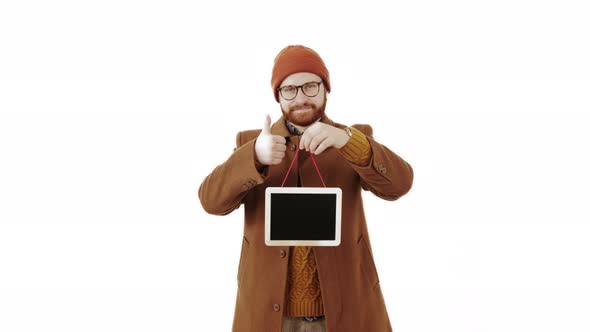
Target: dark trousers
{"points": [[300, 324]]}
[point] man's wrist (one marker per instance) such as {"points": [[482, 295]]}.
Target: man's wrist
{"points": [[357, 149], [346, 138]]}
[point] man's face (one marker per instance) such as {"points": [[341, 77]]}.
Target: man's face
{"points": [[303, 110]]}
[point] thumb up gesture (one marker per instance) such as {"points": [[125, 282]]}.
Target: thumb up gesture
{"points": [[270, 149]]}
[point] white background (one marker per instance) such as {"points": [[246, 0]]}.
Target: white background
{"points": [[113, 112]]}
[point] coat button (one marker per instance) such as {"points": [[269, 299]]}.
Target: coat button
{"points": [[282, 253], [276, 307]]}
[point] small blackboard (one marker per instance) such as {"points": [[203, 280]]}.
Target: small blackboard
{"points": [[303, 216]]}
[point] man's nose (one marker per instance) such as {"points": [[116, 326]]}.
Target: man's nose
{"points": [[301, 97]]}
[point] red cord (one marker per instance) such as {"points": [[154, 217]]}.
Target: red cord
{"points": [[314, 163], [289, 171], [317, 168]]}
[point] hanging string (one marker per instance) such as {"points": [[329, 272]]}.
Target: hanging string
{"points": [[317, 168], [289, 170], [314, 163]]}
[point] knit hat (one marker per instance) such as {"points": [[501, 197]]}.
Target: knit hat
{"points": [[297, 59]]}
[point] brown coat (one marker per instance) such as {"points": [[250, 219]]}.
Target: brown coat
{"points": [[348, 277]]}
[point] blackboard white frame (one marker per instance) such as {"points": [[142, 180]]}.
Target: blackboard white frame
{"points": [[303, 190]]}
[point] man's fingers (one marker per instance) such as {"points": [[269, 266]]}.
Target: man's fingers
{"points": [[280, 147], [279, 139], [278, 155], [303, 142], [266, 127], [323, 146], [317, 140]]}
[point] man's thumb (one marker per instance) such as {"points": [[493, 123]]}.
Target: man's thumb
{"points": [[266, 128]]}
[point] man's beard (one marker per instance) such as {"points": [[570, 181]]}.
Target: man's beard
{"points": [[307, 117]]}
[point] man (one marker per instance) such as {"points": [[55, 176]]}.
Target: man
{"points": [[332, 289]]}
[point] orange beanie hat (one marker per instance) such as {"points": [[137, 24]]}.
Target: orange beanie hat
{"points": [[297, 59]]}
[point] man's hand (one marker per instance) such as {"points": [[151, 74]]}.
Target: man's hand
{"points": [[270, 149], [320, 136]]}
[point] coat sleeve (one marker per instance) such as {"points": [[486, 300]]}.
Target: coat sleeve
{"points": [[387, 175], [224, 189]]}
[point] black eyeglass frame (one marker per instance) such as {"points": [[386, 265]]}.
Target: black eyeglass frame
{"points": [[297, 87]]}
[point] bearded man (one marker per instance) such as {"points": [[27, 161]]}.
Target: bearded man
{"points": [[306, 288]]}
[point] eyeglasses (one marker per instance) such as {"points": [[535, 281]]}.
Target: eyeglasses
{"points": [[310, 89]]}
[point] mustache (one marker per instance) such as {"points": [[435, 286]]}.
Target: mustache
{"points": [[304, 105]]}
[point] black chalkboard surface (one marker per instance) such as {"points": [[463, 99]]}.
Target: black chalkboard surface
{"points": [[297, 216]]}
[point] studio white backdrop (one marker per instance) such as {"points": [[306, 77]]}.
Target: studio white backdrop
{"points": [[113, 112]]}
